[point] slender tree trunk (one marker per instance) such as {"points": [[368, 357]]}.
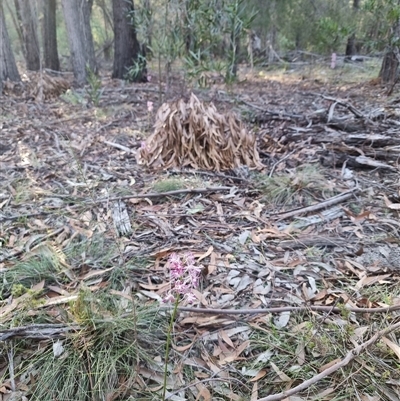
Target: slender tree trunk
{"points": [[187, 33], [272, 34], [16, 21], [49, 29], [28, 15], [77, 21], [149, 27], [390, 65], [391, 59], [127, 52], [108, 28], [8, 67], [351, 47]]}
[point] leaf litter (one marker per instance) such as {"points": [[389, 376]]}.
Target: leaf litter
{"points": [[85, 235]]}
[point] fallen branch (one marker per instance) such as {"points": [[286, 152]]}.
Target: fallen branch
{"points": [[118, 198], [285, 309], [44, 331], [120, 147], [329, 202], [348, 358], [314, 240], [37, 331], [280, 114], [158, 194], [348, 106]]}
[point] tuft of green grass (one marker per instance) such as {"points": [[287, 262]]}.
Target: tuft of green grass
{"points": [[99, 362], [298, 187], [27, 273], [168, 184], [95, 252]]}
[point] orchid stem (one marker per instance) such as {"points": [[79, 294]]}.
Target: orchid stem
{"points": [[169, 334]]}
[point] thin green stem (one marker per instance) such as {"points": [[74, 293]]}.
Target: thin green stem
{"points": [[171, 326]]}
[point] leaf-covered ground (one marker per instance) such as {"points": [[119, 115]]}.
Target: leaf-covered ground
{"points": [[301, 259]]}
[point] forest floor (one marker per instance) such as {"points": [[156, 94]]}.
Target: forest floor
{"points": [[301, 258]]}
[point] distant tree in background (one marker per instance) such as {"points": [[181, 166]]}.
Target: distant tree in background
{"points": [[351, 48], [49, 30], [8, 67], [129, 60], [391, 60], [77, 21], [108, 28], [27, 13]]}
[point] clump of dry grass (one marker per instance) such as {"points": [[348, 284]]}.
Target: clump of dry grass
{"points": [[194, 134]]}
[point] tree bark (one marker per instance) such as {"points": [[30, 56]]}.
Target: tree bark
{"points": [[77, 21], [390, 65], [16, 19], [49, 28], [351, 47], [28, 15], [8, 67], [128, 54]]}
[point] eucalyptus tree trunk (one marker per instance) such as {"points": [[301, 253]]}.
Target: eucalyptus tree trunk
{"points": [[49, 29], [390, 64], [272, 36], [8, 67], [129, 58], [351, 47], [29, 18], [80, 39], [391, 59]]}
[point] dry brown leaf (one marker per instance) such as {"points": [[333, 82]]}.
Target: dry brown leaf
{"points": [[301, 353], [205, 254], [390, 205], [329, 364], [365, 281], [226, 338], [235, 354], [182, 348], [254, 392], [259, 375], [282, 376], [393, 346], [204, 393]]}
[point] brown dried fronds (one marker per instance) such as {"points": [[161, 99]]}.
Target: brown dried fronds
{"points": [[193, 134], [39, 85]]}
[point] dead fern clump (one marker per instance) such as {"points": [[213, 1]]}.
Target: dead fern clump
{"points": [[193, 134], [38, 85]]}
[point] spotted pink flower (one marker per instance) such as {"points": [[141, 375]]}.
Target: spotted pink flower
{"points": [[185, 276]]}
